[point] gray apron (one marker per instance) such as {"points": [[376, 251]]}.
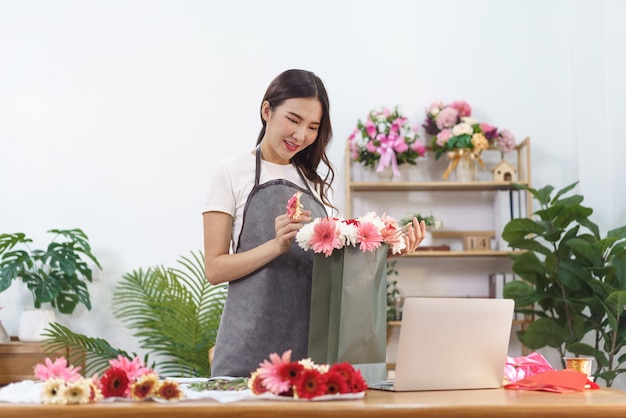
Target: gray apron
{"points": [[268, 310]]}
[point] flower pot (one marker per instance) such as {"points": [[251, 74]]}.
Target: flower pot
{"points": [[33, 324], [428, 239], [4, 335]]}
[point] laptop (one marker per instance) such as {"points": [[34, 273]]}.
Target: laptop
{"points": [[450, 344]]}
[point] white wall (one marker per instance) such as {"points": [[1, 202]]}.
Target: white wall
{"points": [[113, 113]]}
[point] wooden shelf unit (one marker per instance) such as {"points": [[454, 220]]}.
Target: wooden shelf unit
{"points": [[523, 159]]}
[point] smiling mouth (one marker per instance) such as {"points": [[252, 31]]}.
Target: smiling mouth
{"points": [[291, 146]]}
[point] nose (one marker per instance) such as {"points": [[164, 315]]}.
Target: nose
{"points": [[299, 134]]}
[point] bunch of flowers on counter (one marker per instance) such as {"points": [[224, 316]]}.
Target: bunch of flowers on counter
{"points": [[304, 379], [368, 232], [453, 128], [124, 378], [385, 139]]}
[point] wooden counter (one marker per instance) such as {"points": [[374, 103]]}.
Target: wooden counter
{"points": [[605, 403]]}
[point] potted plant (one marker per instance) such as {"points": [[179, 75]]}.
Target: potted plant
{"points": [[574, 281], [430, 221], [56, 275]]}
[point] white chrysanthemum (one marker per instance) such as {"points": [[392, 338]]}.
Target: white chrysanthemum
{"points": [[374, 219], [304, 235], [309, 364], [53, 392], [77, 392], [348, 234], [398, 247]]}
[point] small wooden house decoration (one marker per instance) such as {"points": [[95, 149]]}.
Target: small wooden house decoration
{"points": [[503, 171]]}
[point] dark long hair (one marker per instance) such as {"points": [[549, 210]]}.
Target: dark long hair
{"points": [[305, 84]]}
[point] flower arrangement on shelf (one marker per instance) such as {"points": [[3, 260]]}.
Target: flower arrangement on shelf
{"points": [[385, 139], [304, 379], [453, 127], [368, 232], [455, 133], [125, 378]]}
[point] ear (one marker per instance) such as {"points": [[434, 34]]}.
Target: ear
{"points": [[266, 110]]}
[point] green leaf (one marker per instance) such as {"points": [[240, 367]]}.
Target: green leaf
{"points": [[615, 303], [517, 229], [583, 349], [563, 191], [586, 251], [544, 332]]}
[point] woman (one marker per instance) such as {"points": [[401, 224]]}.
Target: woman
{"points": [[267, 308]]}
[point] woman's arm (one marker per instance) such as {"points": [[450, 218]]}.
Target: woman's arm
{"points": [[220, 266]]}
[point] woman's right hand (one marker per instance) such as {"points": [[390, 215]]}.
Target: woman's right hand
{"points": [[286, 229]]}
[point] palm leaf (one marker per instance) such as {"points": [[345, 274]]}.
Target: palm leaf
{"points": [[175, 313], [93, 353]]}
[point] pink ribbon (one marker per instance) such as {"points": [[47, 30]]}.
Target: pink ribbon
{"points": [[387, 157]]}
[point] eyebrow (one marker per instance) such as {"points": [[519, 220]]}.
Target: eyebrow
{"points": [[301, 118]]}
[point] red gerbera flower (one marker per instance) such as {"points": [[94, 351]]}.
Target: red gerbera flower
{"points": [[336, 383], [114, 382], [310, 384], [356, 383], [290, 372], [345, 369], [353, 377]]}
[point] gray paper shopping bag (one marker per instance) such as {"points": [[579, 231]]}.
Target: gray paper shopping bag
{"points": [[348, 310]]}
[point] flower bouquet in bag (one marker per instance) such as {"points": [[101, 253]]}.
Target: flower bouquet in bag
{"points": [[348, 295]]}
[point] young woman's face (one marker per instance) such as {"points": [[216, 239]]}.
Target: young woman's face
{"points": [[290, 128]]}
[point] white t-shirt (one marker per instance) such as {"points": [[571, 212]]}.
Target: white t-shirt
{"points": [[233, 180]]}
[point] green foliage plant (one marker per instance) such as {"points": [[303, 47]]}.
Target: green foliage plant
{"points": [[393, 292], [430, 221], [57, 275], [574, 281], [173, 311]]}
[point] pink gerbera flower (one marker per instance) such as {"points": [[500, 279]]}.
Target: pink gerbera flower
{"points": [[134, 368], [369, 237], [326, 237], [57, 370], [270, 376]]}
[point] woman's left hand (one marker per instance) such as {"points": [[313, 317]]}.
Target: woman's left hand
{"points": [[414, 236]]}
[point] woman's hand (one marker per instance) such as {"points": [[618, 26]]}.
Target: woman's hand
{"points": [[287, 228], [413, 237]]}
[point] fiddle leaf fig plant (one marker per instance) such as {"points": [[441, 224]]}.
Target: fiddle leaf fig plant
{"points": [[56, 275], [574, 281]]}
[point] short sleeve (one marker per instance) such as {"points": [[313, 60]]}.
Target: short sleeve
{"points": [[220, 196]]}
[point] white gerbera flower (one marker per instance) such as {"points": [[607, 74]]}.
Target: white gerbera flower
{"points": [[77, 392], [371, 217], [304, 235], [53, 392], [348, 234]]}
